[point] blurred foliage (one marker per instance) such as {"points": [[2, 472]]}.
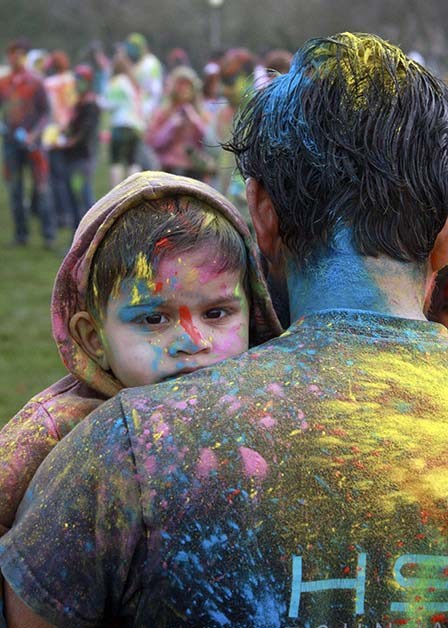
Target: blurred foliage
{"points": [[259, 25]]}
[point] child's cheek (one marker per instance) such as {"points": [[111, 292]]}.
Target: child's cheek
{"points": [[233, 342]]}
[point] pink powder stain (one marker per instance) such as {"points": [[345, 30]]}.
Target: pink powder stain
{"points": [[234, 406], [232, 403], [164, 429], [160, 427], [207, 462], [187, 323], [156, 417], [276, 390], [225, 346], [206, 274], [180, 405], [267, 421], [150, 464], [254, 464]]}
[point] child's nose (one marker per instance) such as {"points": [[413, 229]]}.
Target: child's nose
{"points": [[189, 345], [191, 338]]}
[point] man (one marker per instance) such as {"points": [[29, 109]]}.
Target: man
{"points": [[25, 112], [304, 483]]}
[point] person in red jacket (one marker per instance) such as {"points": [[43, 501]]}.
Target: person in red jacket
{"points": [[25, 113]]}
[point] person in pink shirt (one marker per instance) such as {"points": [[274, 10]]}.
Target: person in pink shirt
{"points": [[178, 127]]}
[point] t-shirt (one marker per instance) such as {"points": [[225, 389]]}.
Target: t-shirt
{"points": [[23, 100], [84, 129], [303, 483], [123, 101]]}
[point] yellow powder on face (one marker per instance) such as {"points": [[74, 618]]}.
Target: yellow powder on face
{"points": [[143, 274], [142, 268]]}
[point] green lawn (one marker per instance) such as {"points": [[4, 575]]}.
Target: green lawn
{"points": [[28, 357]]}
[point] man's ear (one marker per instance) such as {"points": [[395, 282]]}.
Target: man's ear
{"points": [[439, 254], [84, 330], [264, 219]]}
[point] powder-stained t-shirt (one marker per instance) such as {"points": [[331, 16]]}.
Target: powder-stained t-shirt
{"points": [[303, 484]]}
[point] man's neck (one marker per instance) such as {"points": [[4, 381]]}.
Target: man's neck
{"points": [[343, 279]]}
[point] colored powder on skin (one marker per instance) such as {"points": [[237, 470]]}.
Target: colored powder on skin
{"points": [[187, 323], [142, 272]]}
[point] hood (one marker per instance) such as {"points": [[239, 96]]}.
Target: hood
{"points": [[69, 292]]}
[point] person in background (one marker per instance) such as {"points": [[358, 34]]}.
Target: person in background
{"points": [[123, 101], [147, 71], [36, 59], [59, 84], [177, 57], [26, 111], [275, 62], [97, 59], [212, 99], [237, 67], [79, 145], [179, 126]]}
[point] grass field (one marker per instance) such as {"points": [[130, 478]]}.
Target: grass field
{"points": [[28, 357]]}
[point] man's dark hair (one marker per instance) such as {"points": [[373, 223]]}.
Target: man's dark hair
{"points": [[356, 135], [145, 235]]}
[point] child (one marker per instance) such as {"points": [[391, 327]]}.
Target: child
{"points": [[162, 278]]}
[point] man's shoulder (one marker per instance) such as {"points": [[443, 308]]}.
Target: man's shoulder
{"points": [[211, 383], [103, 428]]}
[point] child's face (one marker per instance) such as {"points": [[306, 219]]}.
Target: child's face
{"points": [[183, 91], [185, 317]]}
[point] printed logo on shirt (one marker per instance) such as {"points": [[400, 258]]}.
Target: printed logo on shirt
{"points": [[430, 591]]}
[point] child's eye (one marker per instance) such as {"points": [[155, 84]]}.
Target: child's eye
{"points": [[215, 313], [153, 319]]}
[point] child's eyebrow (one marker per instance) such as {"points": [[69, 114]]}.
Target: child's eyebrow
{"points": [[221, 300], [128, 312]]}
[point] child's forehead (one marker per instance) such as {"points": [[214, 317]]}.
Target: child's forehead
{"points": [[191, 271], [201, 260]]}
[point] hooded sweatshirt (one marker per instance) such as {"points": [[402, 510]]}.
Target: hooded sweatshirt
{"points": [[27, 439]]}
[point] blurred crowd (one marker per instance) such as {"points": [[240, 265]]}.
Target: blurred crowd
{"points": [[150, 114]]}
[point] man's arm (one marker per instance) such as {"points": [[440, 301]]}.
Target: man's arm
{"points": [[18, 615]]}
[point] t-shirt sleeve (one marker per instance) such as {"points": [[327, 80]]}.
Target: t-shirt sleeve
{"points": [[79, 527]]}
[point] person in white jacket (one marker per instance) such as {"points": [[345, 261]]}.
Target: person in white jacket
{"points": [[123, 101]]}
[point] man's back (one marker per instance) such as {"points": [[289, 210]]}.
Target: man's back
{"points": [[303, 484]]}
